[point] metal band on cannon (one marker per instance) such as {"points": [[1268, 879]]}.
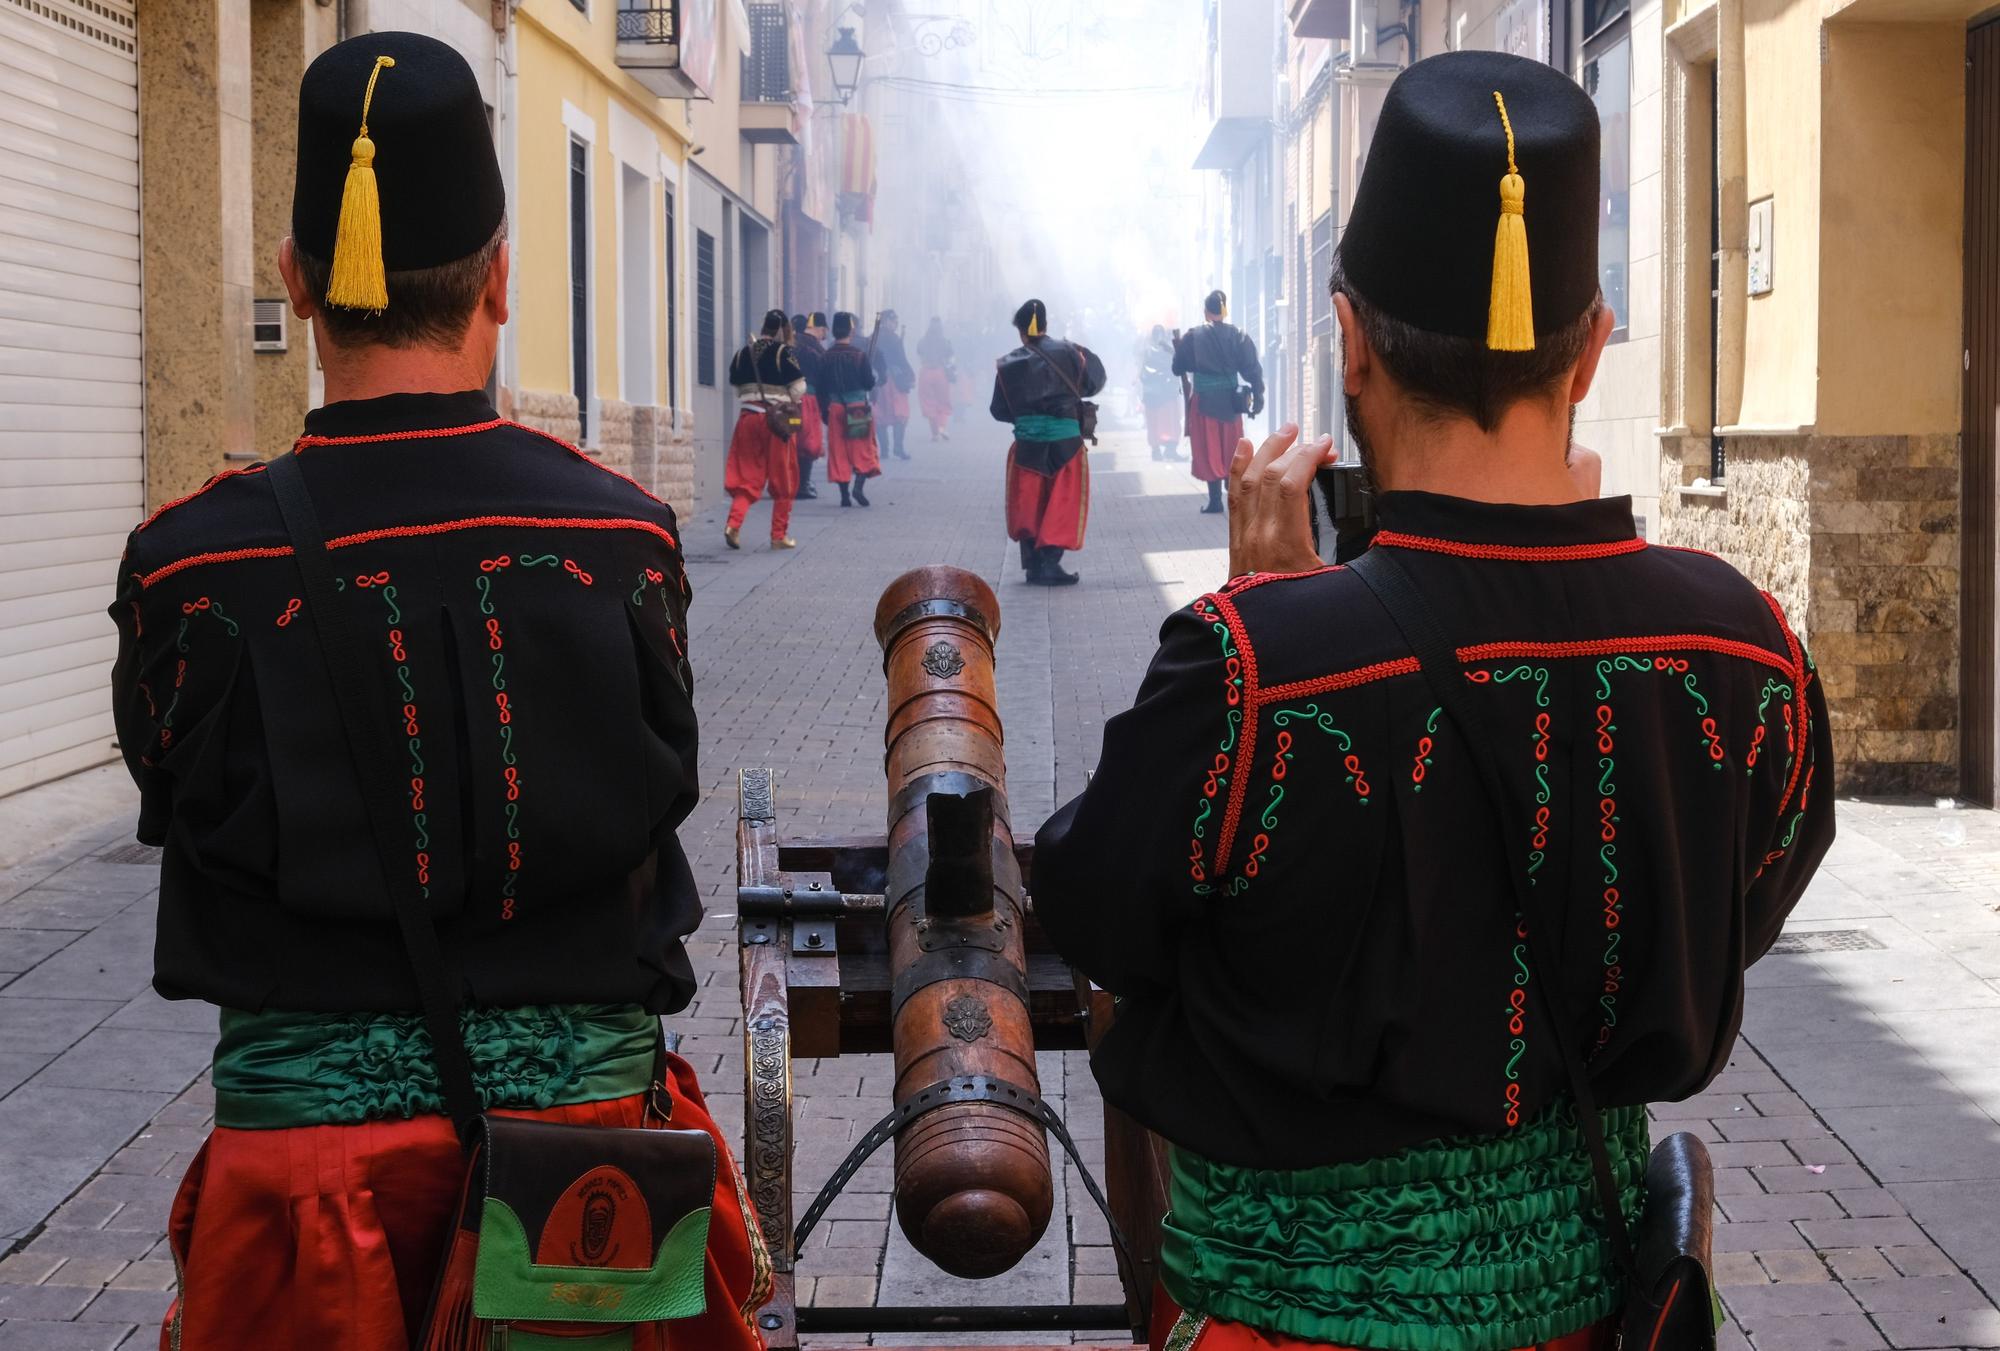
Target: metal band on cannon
{"points": [[973, 1185]]}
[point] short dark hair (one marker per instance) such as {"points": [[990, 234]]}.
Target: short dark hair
{"points": [[843, 325], [428, 306], [1215, 302], [1462, 377], [774, 323]]}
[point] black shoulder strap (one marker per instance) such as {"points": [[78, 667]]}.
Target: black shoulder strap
{"points": [[373, 754], [1055, 366], [1421, 629]]}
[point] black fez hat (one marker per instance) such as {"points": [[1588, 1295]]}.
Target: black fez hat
{"points": [[799, 324], [430, 163], [1215, 303], [1421, 243], [774, 322], [817, 319], [1032, 319]]}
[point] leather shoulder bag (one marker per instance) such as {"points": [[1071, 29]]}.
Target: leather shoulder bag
{"points": [[1669, 1297], [563, 1230]]}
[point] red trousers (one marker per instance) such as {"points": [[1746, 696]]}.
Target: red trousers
{"points": [[1212, 444], [317, 1237], [934, 397], [891, 403], [757, 456], [848, 457], [1163, 423], [1191, 1332], [812, 430], [1049, 510]]}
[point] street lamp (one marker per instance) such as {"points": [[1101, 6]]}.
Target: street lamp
{"points": [[844, 58]]}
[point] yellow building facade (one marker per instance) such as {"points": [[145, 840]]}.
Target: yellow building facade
{"points": [[599, 160]]}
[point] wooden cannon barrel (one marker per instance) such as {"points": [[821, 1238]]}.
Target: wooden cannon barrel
{"points": [[973, 1187]]}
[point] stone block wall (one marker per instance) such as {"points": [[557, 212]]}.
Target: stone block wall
{"points": [[545, 412], [649, 444], [1857, 537]]}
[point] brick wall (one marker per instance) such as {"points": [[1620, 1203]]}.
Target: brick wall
{"points": [[1857, 537]]}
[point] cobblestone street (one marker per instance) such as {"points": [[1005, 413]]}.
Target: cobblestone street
{"points": [[1856, 1131]]}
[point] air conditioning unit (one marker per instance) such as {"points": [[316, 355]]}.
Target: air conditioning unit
{"points": [[267, 325]]}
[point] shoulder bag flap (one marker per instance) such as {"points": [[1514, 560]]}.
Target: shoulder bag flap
{"points": [[591, 1224]]}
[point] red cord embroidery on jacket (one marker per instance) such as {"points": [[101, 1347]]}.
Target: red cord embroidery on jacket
{"points": [[1601, 647], [510, 774], [408, 531], [1511, 553], [424, 434], [185, 498]]}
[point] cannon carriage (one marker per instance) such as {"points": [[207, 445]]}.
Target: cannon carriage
{"points": [[922, 942]]}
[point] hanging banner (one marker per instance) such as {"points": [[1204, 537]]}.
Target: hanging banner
{"points": [[857, 167]]}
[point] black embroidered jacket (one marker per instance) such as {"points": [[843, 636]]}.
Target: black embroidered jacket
{"points": [[844, 371], [527, 608], [1216, 355], [1286, 867], [1024, 383]]}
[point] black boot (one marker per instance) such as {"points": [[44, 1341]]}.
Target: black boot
{"points": [[1051, 573], [845, 500], [898, 429], [1031, 562], [806, 490], [1214, 507], [860, 491]]}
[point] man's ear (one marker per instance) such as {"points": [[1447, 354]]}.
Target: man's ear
{"points": [[304, 303], [1360, 357], [1601, 325], [495, 296]]}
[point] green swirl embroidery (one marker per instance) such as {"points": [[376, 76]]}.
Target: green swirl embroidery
{"points": [[485, 585], [538, 560], [1538, 674], [1518, 1048], [1324, 721], [1541, 783], [1701, 704], [389, 599], [1270, 813], [1606, 788], [1201, 817], [1604, 856], [1233, 720]]}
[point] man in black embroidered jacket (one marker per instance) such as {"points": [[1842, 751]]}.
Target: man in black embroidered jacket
{"points": [[527, 612], [1285, 865]]}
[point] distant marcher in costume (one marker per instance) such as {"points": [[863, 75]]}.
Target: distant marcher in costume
{"points": [[1160, 393], [935, 379], [1214, 357], [1040, 387], [893, 382], [435, 884], [1542, 793], [808, 345], [769, 385], [846, 375]]}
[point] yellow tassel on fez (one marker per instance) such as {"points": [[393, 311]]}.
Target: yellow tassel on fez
{"points": [[358, 281], [1510, 315], [1034, 325]]}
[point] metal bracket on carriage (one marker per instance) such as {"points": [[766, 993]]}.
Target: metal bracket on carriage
{"points": [[985, 1088]]}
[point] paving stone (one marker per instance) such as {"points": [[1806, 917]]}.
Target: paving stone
{"points": [[1753, 1303], [26, 1335], [148, 1274], [129, 1306], [1978, 1327], [1733, 1268], [27, 1268], [91, 1272], [1785, 1206], [1918, 1294], [1858, 1264], [42, 1301], [1920, 1259], [1794, 1267], [1861, 1233], [1838, 1332]]}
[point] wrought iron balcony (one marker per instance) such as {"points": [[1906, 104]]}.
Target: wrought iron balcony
{"points": [[652, 23], [659, 55], [767, 114]]}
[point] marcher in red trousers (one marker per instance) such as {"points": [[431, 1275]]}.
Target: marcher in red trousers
{"points": [[845, 377], [1039, 387], [1213, 357], [769, 385]]}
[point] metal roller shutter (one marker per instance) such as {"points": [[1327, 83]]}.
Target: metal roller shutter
{"points": [[72, 467]]}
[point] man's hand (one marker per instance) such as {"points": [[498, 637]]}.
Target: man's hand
{"points": [[1270, 526]]}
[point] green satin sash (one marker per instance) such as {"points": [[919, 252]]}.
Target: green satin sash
{"points": [[1480, 1243], [1208, 382], [278, 1069], [1041, 427]]}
